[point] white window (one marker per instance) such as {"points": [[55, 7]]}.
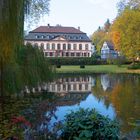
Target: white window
{"points": [[80, 46], [53, 46], [75, 46], [28, 43], [69, 46], [42, 46], [72, 54], [36, 45], [64, 46], [86, 86], [48, 46], [46, 54], [58, 46], [86, 47], [80, 86]]}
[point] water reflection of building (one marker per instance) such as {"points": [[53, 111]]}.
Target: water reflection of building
{"points": [[81, 84], [107, 82], [71, 85], [65, 99]]}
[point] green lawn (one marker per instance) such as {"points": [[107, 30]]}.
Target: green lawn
{"points": [[96, 69]]}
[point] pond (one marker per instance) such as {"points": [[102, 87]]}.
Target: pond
{"points": [[113, 95]]}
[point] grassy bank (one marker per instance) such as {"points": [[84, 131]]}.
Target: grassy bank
{"points": [[96, 69]]}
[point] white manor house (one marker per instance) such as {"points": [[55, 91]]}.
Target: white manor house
{"points": [[59, 41]]}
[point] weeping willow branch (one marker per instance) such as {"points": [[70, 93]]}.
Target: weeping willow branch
{"points": [[12, 15]]}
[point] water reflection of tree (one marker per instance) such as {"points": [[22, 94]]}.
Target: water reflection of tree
{"points": [[15, 106], [45, 110], [124, 96], [59, 99], [34, 108], [101, 94]]}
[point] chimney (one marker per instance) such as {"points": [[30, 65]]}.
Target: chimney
{"points": [[48, 25], [78, 27]]}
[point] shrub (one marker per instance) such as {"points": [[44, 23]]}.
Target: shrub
{"points": [[58, 66], [134, 66], [89, 125], [120, 61], [109, 61], [82, 66]]}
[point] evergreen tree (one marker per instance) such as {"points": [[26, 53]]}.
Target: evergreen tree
{"points": [[107, 25]]}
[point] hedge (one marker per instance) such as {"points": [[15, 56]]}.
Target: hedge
{"points": [[75, 61]]}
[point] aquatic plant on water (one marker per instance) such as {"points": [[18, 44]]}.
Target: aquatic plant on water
{"points": [[86, 124]]}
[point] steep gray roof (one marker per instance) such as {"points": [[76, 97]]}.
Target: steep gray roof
{"points": [[110, 45]]}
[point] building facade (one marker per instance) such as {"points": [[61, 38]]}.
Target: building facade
{"points": [[59, 41], [107, 51]]}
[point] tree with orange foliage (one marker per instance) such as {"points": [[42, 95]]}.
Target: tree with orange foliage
{"points": [[116, 39]]}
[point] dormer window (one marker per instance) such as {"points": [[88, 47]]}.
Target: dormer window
{"points": [[37, 36], [48, 37], [71, 37], [75, 37], [43, 36]]}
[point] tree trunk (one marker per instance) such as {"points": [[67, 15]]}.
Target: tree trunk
{"points": [[1, 78]]}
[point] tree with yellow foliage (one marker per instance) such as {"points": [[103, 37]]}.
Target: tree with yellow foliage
{"points": [[126, 33], [101, 35]]}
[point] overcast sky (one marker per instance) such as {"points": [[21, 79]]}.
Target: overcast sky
{"points": [[88, 14]]}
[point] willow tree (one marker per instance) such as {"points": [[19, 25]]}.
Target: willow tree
{"points": [[12, 16]]}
